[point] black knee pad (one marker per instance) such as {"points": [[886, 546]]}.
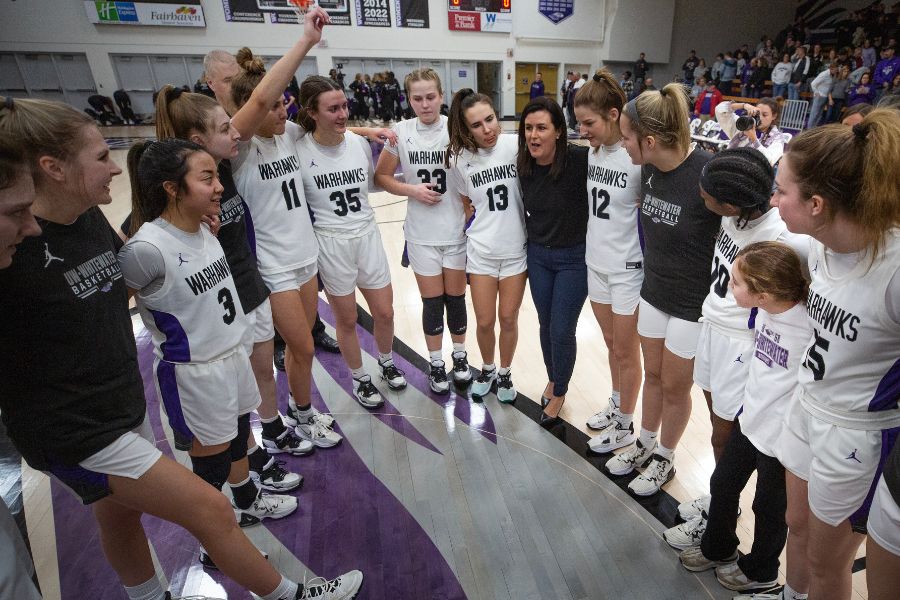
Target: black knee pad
{"points": [[456, 313], [238, 448], [213, 469], [433, 315]]}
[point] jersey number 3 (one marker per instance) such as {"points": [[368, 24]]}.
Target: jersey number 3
{"points": [[227, 303], [346, 202]]}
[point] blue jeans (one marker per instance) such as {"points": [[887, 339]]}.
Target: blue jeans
{"points": [[815, 110], [793, 91], [779, 89], [558, 281]]}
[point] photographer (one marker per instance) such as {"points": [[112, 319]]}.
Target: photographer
{"points": [[756, 128]]}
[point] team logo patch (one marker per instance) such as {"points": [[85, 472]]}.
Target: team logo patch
{"points": [[48, 256]]}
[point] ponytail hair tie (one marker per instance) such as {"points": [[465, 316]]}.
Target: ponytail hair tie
{"points": [[861, 131], [597, 78], [8, 102], [663, 92], [173, 94]]}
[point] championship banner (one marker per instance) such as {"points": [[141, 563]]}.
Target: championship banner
{"points": [[373, 13], [166, 13], [242, 11], [411, 13], [282, 11], [556, 10], [480, 15]]}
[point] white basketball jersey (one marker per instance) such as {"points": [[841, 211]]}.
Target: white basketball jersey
{"points": [[422, 161], [614, 191], [267, 175], [196, 315], [719, 307], [491, 181], [779, 343], [336, 181], [853, 362]]}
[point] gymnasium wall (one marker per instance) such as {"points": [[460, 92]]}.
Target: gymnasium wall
{"points": [[600, 30]]}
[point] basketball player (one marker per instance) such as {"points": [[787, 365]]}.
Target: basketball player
{"points": [[337, 173], [483, 171], [435, 239]]}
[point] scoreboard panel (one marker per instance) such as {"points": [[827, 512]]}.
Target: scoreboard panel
{"points": [[494, 6]]}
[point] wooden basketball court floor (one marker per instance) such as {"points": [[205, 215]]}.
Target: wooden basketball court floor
{"points": [[430, 496]]}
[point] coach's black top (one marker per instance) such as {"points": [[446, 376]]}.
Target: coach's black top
{"points": [[238, 241], [679, 235], [556, 211], [69, 381]]}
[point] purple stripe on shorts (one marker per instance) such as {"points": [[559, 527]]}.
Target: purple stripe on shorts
{"points": [[861, 516], [89, 485], [176, 348], [888, 391], [171, 399]]}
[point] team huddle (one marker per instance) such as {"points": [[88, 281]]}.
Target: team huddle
{"points": [[781, 305]]}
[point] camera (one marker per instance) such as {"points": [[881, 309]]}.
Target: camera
{"points": [[747, 122]]}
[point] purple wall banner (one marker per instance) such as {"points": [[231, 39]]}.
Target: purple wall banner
{"points": [[373, 13], [411, 13], [556, 10]]}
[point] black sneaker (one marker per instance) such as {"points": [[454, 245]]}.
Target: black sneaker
{"points": [[287, 442], [278, 358], [461, 372], [325, 342], [392, 375], [275, 478], [437, 378], [366, 393]]}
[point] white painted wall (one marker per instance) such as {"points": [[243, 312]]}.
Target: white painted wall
{"points": [[600, 30]]}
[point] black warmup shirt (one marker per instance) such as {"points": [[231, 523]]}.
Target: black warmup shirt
{"points": [[238, 241], [679, 235], [892, 472], [69, 381], [556, 212]]}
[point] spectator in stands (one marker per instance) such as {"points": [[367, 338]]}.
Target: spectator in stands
{"points": [[742, 60], [817, 61], [715, 72], [537, 88], [838, 97], [688, 68], [728, 74], [707, 100], [648, 85], [640, 72], [768, 52], [577, 82], [870, 57], [290, 104], [627, 85], [863, 92], [781, 76], [800, 72], [746, 74], [885, 71], [766, 138], [564, 89], [856, 61], [821, 91], [698, 87], [701, 70]]}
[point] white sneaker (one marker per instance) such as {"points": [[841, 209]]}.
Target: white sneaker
{"points": [[366, 393], [658, 473], [484, 382], [314, 430], [266, 506], [287, 442], [461, 372], [604, 418], [689, 510], [291, 418], [437, 378], [506, 392], [768, 596], [275, 478], [693, 560], [612, 438], [687, 535], [392, 375], [633, 458], [344, 587], [730, 576]]}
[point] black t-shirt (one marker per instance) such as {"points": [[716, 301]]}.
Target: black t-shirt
{"points": [[238, 241], [556, 212], [892, 472], [679, 235], [69, 383]]}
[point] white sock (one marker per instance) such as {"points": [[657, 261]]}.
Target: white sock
{"points": [[459, 347], [488, 367], [789, 593], [358, 373], [435, 356], [503, 371], [648, 438], [665, 452], [291, 402], [149, 590], [614, 396], [623, 419], [385, 358], [286, 590], [277, 416]]}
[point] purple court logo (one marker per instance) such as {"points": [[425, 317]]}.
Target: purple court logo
{"points": [[556, 10]]}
